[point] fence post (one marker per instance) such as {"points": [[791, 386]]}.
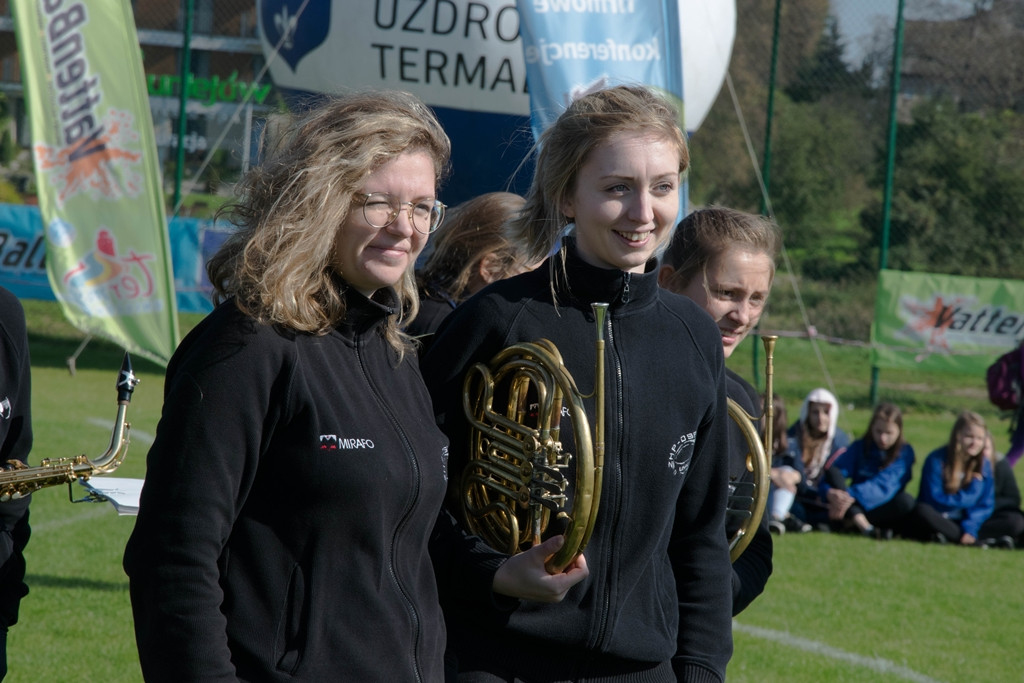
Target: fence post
{"points": [[186, 67], [883, 251]]}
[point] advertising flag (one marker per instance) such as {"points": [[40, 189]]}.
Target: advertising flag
{"points": [[945, 322], [572, 48], [107, 251]]}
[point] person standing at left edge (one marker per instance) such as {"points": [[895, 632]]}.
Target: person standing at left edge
{"points": [[15, 444]]}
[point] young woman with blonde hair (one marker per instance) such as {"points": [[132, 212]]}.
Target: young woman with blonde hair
{"points": [[289, 526]]}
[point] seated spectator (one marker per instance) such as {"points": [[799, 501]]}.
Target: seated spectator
{"points": [[1005, 528], [784, 475], [468, 252], [957, 487], [814, 440], [864, 486]]}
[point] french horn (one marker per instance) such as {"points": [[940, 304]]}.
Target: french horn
{"points": [[748, 499], [20, 480], [516, 487]]}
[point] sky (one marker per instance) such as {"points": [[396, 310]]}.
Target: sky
{"points": [[860, 19]]}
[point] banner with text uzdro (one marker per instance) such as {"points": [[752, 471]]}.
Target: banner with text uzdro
{"points": [[107, 252], [945, 322]]}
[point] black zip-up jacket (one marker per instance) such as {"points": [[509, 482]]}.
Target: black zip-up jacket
{"points": [[290, 494], [658, 596], [15, 444], [751, 570]]}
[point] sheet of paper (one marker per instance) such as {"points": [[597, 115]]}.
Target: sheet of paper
{"points": [[122, 493]]}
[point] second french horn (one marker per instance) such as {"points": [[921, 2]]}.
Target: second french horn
{"points": [[748, 499]]}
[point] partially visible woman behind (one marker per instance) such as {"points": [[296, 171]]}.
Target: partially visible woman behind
{"points": [[724, 260], [865, 485], [957, 488], [657, 603], [468, 252], [1005, 528], [297, 474]]}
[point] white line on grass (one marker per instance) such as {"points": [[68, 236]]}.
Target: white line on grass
{"points": [[134, 434], [51, 524], [876, 663]]}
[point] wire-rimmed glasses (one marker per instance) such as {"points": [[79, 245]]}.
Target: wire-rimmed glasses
{"points": [[380, 210]]}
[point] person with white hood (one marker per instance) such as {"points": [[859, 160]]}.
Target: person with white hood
{"points": [[814, 440]]}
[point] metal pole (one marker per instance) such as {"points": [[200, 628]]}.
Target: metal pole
{"points": [[183, 83], [766, 164], [890, 163]]}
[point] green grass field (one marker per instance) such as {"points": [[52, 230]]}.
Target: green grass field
{"points": [[838, 608]]}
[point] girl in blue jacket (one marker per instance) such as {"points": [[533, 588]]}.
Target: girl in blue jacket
{"points": [[957, 487], [864, 485]]}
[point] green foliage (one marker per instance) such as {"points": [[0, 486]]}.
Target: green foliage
{"points": [[8, 193], [959, 193]]}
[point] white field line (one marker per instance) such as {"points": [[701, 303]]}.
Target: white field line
{"points": [[878, 664], [134, 434]]}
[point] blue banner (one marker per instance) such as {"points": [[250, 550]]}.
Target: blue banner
{"points": [[572, 47], [23, 250]]}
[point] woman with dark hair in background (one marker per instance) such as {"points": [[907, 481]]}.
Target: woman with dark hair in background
{"points": [[865, 485], [467, 253]]}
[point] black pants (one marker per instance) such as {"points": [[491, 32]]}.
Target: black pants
{"points": [[924, 522], [1004, 522], [889, 515]]}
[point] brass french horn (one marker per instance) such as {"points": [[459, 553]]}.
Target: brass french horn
{"points": [[747, 500], [516, 483], [21, 480]]}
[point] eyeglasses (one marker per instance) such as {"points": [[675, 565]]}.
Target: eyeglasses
{"points": [[380, 210]]}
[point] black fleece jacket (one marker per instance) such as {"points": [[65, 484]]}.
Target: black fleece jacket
{"points": [[290, 495], [659, 589], [15, 444], [751, 570]]}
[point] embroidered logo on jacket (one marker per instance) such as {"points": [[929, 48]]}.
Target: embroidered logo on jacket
{"points": [[5, 408], [332, 442], [444, 462], [681, 452]]}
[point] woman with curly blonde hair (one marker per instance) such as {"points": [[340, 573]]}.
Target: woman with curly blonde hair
{"points": [[289, 526]]}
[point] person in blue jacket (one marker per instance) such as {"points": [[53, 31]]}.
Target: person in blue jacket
{"points": [[957, 485], [865, 485]]}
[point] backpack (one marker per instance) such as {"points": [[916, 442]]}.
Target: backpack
{"points": [[1004, 380]]}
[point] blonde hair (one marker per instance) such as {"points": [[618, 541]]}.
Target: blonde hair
{"points": [[960, 469], [471, 231], [278, 265], [588, 123]]}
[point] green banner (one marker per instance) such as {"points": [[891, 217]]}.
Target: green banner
{"points": [[107, 251], [945, 322]]}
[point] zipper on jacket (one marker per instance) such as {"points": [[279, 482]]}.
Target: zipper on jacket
{"points": [[626, 276], [385, 406]]}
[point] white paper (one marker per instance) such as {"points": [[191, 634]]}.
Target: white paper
{"points": [[122, 493]]}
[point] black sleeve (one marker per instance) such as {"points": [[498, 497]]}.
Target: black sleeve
{"points": [[751, 570], [15, 444]]}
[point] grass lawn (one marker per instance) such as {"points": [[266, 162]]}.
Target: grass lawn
{"points": [[838, 608]]}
